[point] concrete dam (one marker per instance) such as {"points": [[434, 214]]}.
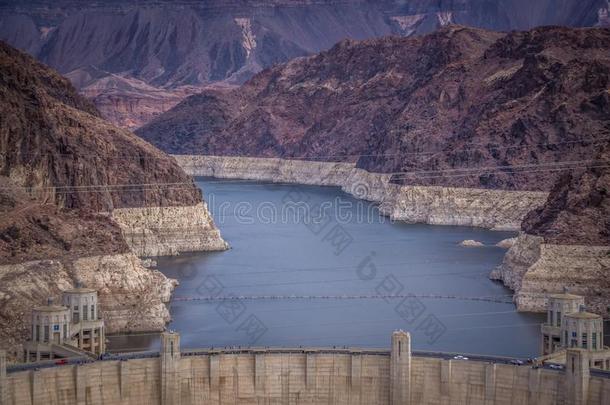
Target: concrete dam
{"points": [[304, 376]]}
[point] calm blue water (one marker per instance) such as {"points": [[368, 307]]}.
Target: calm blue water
{"points": [[344, 248]]}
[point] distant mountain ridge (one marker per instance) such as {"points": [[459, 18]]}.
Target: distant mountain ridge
{"points": [[169, 45], [452, 108]]}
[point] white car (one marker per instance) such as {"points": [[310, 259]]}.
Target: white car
{"points": [[460, 357]]}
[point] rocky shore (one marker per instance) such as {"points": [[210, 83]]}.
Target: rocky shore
{"points": [[493, 209], [532, 267], [80, 200], [132, 297], [168, 231]]}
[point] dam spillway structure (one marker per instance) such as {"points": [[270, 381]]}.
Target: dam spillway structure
{"points": [[306, 375]]}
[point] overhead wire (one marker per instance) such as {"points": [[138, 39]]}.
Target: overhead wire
{"points": [[470, 145], [151, 186]]}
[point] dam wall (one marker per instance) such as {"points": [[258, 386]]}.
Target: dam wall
{"points": [[493, 209], [304, 376]]}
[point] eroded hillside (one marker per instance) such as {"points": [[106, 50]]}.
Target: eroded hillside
{"points": [[137, 59], [461, 107], [74, 190]]}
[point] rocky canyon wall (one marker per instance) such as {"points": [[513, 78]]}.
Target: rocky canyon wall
{"points": [[132, 297], [167, 231], [534, 269], [80, 199], [493, 209], [142, 53]]}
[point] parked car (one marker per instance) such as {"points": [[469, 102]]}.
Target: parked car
{"points": [[460, 357]]}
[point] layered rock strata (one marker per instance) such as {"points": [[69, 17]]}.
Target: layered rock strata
{"points": [[163, 45], [494, 209], [132, 297], [461, 108], [535, 269], [79, 200], [167, 231], [566, 242]]}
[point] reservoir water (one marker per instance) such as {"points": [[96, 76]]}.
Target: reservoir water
{"points": [[312, 266]]}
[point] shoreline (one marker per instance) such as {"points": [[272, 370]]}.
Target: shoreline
{"points": [[434, 205], [531, 280]]}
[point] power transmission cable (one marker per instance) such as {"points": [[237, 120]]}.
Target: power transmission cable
{"points": [[591, 141], [152, 186]]}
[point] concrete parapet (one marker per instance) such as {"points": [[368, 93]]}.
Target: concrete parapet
{"points": [[400, 369], [446, 379], [356, 370], [577, 377], [310, 370], [307, 377], [36, 389], [170, 368], [605, 394], [260, 372], [533, 386], [490, 384], [124, 379], [214, 373], [80, 382]]}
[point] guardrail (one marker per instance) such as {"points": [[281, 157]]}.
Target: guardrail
{"points": [[13, 368], [595, 372], [296, 350]]}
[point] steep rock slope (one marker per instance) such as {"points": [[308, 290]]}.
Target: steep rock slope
{"points": [[73, 192], [578, 208], [169, 44], [463, 122], [565, 243], [461, 107]]}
